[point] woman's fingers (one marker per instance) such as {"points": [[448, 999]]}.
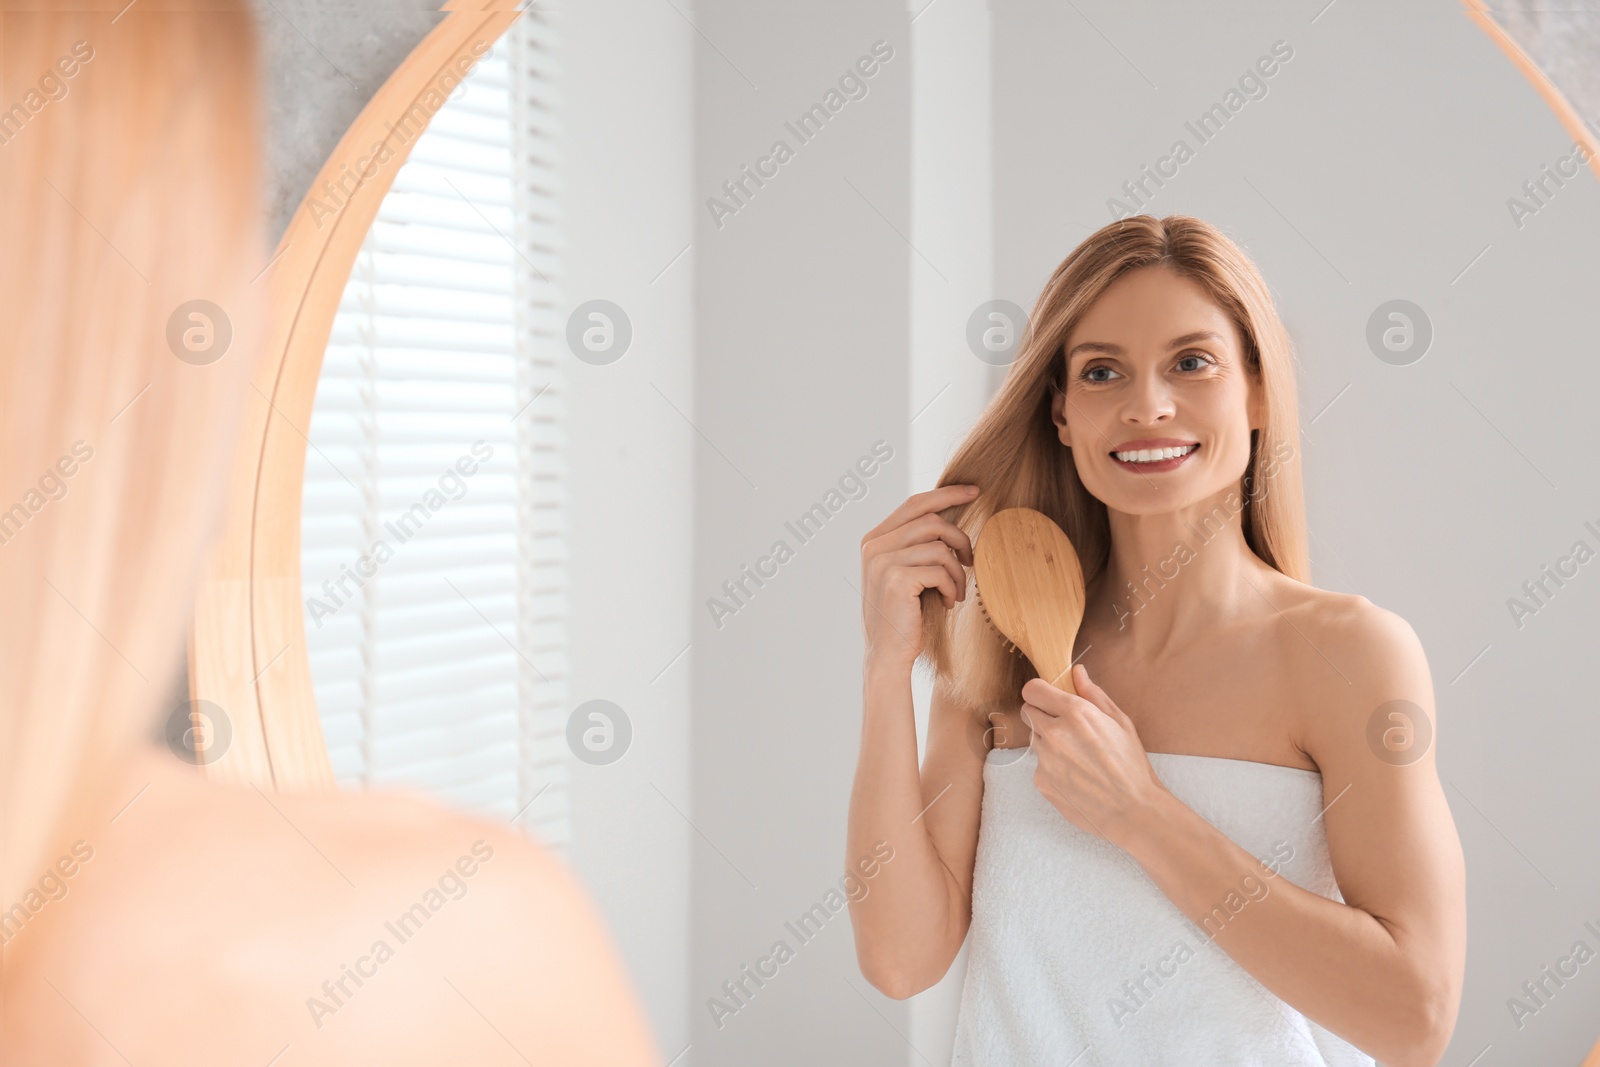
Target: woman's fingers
{"points": [[910, 551], [929, 554], [929, 530], [918, 519], [1053, 701], [933, 577]]}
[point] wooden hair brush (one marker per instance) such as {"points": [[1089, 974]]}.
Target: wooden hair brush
{"points": [[1030, 588]]}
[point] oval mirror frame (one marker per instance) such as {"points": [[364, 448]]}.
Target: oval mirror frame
{"points": [[247, 645]]}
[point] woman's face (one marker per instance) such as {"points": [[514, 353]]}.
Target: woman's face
{"points": [[1153, 365]]}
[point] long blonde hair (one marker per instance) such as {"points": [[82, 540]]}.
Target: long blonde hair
{"points": [[129, 188], [1014, 455]]}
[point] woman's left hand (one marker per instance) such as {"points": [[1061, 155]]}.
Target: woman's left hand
{"points": [[1092, 765]]}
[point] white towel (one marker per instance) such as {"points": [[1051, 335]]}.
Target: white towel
{"points": [[1076, 957]]}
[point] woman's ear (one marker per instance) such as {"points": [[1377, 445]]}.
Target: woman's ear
{"points": [[1058, 414]]}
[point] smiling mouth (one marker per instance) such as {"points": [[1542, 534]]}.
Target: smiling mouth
{"points": [[1155, 457]]}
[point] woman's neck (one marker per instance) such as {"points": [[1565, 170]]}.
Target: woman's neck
{"points": [[1173, 580]]}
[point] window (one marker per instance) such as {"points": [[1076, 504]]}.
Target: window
{"points": [[433, 523]]}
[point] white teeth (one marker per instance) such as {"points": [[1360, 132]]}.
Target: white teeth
{"points": [[1154, 455]]}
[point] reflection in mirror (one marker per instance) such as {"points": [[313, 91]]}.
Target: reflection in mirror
{"points": [[436, 604], [431, 563]]}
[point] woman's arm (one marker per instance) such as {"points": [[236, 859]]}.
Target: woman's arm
{"points": [[1382, 970], [911, 921]]}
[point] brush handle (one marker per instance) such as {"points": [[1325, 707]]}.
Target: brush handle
{"points": [[1064, 682]]}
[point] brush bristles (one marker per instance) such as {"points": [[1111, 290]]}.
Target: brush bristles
{"points": [[1010, 645]]}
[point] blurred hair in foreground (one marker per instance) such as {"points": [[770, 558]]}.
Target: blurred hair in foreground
{"points": [[134, 192]]}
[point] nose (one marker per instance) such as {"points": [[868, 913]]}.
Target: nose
{"points": [[1149, 401]]}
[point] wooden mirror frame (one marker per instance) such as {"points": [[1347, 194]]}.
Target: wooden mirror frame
{"points": [[247, 646], [1479, 12]]}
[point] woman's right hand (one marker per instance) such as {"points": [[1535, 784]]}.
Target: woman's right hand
{"points": [[912, 550]]}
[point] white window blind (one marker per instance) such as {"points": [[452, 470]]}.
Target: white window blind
{"points": [[433, 527]]}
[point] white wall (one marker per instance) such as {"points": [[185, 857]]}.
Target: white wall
{"points": [[629, 136], [802, 337], [952, 223]]}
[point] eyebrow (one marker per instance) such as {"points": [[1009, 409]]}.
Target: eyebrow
{"points": [[1116, 350]]}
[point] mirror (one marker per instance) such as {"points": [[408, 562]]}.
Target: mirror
{"points": [[615, 409], [248, 663]]}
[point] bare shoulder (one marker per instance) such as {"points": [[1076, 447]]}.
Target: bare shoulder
{"points": [[1349, 658], [350, 927], [1344, 630], [503, 929], [385, 841], [1307, 605], [1366, 644], [392, 833]]}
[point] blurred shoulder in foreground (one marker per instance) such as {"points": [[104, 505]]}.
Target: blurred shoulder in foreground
{"points": [[218, 923]]}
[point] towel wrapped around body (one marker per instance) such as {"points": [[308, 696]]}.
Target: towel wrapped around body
{"points": [[1075, 957]]}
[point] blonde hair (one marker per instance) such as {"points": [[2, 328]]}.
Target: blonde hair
{"points": [[1014, 455], [129, 180]]}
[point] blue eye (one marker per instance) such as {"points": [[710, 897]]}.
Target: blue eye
{"points": [[1205, 360]]}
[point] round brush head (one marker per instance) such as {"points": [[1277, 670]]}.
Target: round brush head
{"points": [[1030, 588]]}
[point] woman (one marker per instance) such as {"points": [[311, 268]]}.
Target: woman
{"points": [[150, 916], [1232, 847]]}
